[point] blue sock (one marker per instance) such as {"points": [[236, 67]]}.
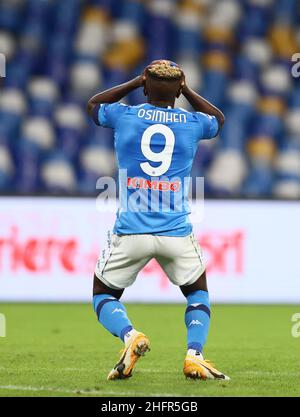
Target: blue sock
{"points": [[197, 318], [112, 314]]}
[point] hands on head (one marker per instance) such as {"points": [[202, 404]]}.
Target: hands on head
{"points": [[164, 70]]}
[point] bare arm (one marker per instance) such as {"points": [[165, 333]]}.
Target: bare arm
{"points": [[200, 104], [114, 94]]}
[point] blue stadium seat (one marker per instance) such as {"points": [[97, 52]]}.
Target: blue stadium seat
{"points": [[235, 53]]}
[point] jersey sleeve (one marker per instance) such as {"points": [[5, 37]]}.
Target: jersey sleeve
{"points": [[209, 125], [107, 115]]}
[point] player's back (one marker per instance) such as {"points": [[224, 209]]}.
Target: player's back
{"points": [[155, 148]]}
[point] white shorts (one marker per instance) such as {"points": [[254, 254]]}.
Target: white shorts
{"points": [[124, 256]]}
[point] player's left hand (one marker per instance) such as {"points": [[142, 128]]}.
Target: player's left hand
{"points": [[139, 81]]}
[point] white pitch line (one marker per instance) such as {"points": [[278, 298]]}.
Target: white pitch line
{"points": [[267, 373], [154, 371], [2, 368], [85, 392]]}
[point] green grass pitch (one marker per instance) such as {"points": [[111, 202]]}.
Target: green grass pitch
{"points": [[61, 350]]}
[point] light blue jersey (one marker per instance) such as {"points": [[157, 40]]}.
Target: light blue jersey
{"points": [[155, 149]]}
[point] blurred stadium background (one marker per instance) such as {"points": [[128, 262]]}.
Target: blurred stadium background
{"points": [[236, 53]]}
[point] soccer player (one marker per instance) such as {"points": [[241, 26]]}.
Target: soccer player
{"points": [[155, 144]]}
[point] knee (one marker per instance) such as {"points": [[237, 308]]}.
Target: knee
{"points": [[199, 285], [99, 288]]}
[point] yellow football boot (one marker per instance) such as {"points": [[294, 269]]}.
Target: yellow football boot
{"points": [[135, 347], [198, 368]]}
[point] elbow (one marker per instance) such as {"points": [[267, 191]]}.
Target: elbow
{"points": [[221, 119], [89, 108]]}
